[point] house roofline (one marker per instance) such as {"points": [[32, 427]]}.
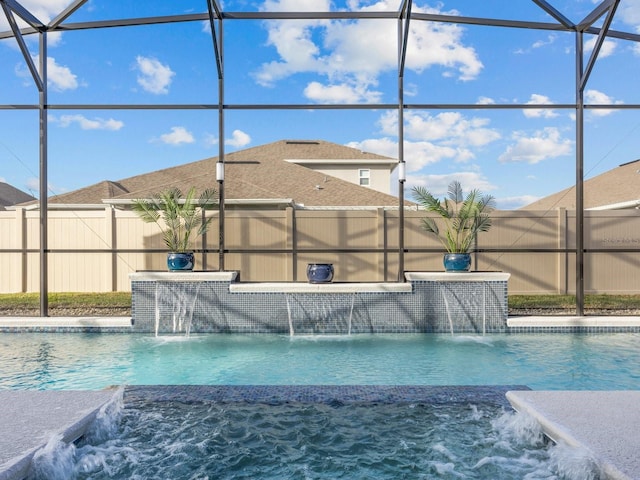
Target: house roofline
{"points": [[342, 161], [233, 201], [59, 206], [618, 206]]}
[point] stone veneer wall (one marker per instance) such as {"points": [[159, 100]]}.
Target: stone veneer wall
{"points": [[212, 302]]}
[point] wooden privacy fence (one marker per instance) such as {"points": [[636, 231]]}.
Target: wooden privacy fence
{"points": [[95, 250]]}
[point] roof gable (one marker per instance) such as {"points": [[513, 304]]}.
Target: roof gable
{"points": [[258, 173], [10, 195], [616, 186]]}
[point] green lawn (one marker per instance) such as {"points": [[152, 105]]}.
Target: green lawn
{"points": [[600, 301], [123, 300], [72, 300]]}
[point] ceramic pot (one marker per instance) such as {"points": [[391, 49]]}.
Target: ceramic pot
{"points": [[180, 261], [320, 272], [457, 262]]}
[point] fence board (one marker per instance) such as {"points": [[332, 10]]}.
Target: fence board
{"points": [[95, 250]]}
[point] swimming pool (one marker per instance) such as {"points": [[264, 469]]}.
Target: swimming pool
{"points": [[540, 361], [181, 433]]}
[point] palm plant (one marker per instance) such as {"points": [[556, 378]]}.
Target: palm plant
{"points": [[463, 217], [176, 216]]}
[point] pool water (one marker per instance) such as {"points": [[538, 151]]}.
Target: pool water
{"points": [[94, 361], [171, 436], [283, 440]]}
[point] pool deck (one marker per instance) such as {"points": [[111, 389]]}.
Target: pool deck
{"points": [[574, 321], [79, 323], [606, 424], [30, 419], [87, 323]]}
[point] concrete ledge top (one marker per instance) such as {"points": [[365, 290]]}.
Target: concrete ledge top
{"points": [[73, 322], [292, 287], [457, 276], [606, 424], [183, 276], [574, 321], [125, 322], [232, 276], [29, 419]]}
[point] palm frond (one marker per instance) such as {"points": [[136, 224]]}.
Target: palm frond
{"points": [[176, 216], [463, 217], [455, 192]]}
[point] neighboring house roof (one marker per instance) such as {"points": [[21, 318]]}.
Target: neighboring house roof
{"points": [[615, 189], [10, 195], [258, 173]]}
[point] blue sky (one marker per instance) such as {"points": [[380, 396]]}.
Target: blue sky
{"points": [[516, 155]]}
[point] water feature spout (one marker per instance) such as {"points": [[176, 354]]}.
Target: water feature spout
{"points": [[181, 301], [157, 309], [320, 313], [353, 301], [446, 308], [291, 331], [484, 308]]}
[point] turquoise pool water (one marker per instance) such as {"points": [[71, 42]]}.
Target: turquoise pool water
{"points": [[93, 361], [170, 437]]}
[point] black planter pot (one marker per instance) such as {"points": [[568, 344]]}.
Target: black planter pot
{"points": [[180, 261], [320, 272], [457, 262]]}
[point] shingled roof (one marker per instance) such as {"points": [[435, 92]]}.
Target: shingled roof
{"points": [[259, 173], [613, 189], [10, 195]]}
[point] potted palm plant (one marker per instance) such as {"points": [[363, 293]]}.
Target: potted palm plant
{"points": [[464, 217], [178, 217]]}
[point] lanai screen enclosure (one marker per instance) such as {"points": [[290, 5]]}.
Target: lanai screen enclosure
{"points": [[229, 52]]}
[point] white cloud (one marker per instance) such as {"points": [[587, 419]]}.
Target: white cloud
{"points": [[380, 146], [3, 180], [59, 78], [296, 5], [210, 140], [607, 48], [544, 144], [239, 139], [485, 101], [629, 12], [537, 99], [549, 40], [595, 97], [88, 124], [153, 77], [43, 10], [178, 136], [431, 139], [351, 55], [416, 154], [448, 129], [341, 93]]}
